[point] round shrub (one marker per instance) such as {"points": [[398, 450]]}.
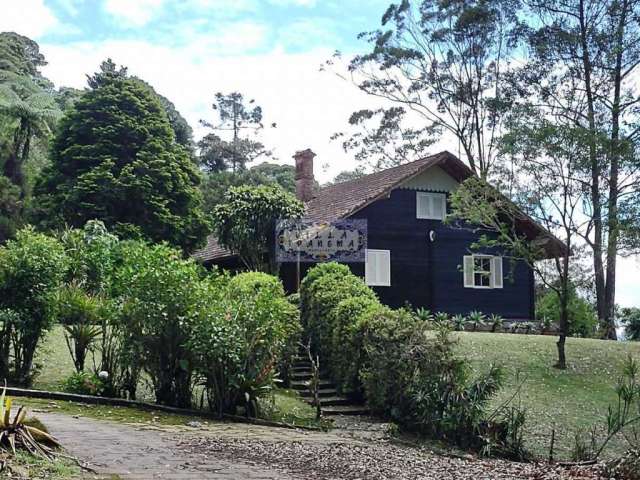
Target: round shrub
{"points": [[307, 288]]}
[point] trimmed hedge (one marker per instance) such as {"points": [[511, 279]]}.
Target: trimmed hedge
{"points": [[321, 292], [404, 370]]}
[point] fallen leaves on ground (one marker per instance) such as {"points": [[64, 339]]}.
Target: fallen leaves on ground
{"points": [[375, 461]]}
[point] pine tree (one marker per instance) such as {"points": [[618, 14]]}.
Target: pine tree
{"points": [[115, 158]]}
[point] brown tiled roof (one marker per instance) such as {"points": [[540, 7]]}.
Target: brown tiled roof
{"points": [[344, 199], [212, 251]]}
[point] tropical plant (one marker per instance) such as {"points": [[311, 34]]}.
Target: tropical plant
{"points": [[424, 314], [496, 322], [441, 318], [476, 319], [31, 112], [79, 314], [16, 434], [458, 322]]}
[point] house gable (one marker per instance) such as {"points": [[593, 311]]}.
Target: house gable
{"points": [[434, 179]]}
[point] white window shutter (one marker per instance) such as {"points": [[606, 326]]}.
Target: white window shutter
{"points": [[377, 270], [496, 272], [422, 205], [369, 268], [438, 206], [431, 206], [467, 268]]}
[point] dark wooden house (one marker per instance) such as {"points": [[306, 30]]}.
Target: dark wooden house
{"points": [[412, 256]]}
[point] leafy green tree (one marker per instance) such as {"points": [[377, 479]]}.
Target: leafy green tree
{"points": [[10, 208], [583, 319], [234, 116], [630, 318], [216, 184], [32, 267], [348, 175], [245, 222], [115, 158], [583, 59]]}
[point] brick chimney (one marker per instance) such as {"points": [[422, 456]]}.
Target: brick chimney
{"points": [[305, 182]]}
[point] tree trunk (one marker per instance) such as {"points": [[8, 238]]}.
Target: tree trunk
{"points": [[596, 173], [615, 152]]}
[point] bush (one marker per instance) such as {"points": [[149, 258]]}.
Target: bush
{"points": [[583, 319], [630, 318], [158, 291], [31, 269], [348, 319], [321, 270], [416, 379], [241, 332], [83, 383], [322, 290]]}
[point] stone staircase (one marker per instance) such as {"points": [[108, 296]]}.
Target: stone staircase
{"points": [[330, 402]]}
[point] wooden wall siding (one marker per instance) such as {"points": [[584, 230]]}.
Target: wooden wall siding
{"points": [[428, 274]]}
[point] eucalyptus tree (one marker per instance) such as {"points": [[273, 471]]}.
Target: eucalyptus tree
{"points": [[438, 67], [583, 65]]}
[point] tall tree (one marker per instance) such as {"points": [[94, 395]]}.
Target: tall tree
{"points": [[235, 116], [546, 158], [585, 59], [115, 158], [440, 63]]}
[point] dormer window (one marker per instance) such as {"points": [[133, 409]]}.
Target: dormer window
{"points": [[431, 206]]}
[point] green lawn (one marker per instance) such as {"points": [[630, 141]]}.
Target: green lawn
{"points": [[567, 400]]}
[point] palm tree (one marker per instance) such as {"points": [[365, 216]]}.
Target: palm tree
{"points": [[29, 112]]}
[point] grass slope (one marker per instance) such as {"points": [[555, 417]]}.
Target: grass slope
{"points": [[570, 400]]}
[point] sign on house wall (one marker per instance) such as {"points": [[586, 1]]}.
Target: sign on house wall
{"points": [[311, 241]]}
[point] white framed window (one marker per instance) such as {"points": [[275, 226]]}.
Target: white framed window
{"points": [[482, 271], [431, 206], [377, 268]]}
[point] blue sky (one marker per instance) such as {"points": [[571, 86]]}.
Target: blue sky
{"points": [[294, 26], [269, 50]]}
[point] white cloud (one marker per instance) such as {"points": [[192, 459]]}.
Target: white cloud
{"points": [[299, 3], [307, 105], [135, 13], [31, 18]]}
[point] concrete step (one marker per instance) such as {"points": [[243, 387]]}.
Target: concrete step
{"points": [[345, 410], [334, 401], [323, 392], [302, 385], [297, 369], [301, 376]]}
